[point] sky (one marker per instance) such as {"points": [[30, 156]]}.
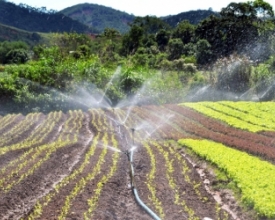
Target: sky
{"points": [[140, 7]]}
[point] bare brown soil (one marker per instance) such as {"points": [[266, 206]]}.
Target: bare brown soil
{"points": [[74, 171]]}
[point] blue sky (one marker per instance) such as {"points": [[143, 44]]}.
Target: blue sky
{"points": [[140, 7]]}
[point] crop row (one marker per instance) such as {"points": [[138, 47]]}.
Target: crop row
{"points": [[248, 113], [255, 178], [34, 143], [167, 165], [261, 110], [204, 131], [87, 173], [39, 135], [44, 201], [32, 159], [217, 126], [92, 202], [232, 116], [172, 183], [8, 121], [33, 164], [17, 131]]}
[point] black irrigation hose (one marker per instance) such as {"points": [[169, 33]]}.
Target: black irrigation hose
{"points": [[130, 155]]}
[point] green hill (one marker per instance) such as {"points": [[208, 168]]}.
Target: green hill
{"points": [[99, 17]]}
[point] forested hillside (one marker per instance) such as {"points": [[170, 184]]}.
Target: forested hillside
{"points": [[38, 19], [99, 17]]}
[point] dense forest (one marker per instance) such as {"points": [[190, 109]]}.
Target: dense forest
{"points": [[230, 54]]}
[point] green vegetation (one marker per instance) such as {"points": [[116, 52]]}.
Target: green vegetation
{"points": [[253, 176], [166, 62], [241, 115]]}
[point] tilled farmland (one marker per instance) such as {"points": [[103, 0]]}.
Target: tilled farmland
{"points": [[74, 165]]}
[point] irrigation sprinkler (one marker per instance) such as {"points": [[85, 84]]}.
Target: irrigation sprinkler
{"points": [[118, 125], [133, 133], [130, 153]]}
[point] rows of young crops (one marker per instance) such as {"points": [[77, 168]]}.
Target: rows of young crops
{"points": [[197, 126], [68, 161], [177, 170], [249, 116], [89, 172], [255, 178], [204, 127]]}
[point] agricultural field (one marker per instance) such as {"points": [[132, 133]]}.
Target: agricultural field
{"points": [[74, 165]]}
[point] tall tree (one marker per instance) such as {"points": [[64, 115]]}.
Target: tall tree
{"points": [[185, 31]]}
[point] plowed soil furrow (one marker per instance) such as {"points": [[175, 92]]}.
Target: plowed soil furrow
{"points": [[86, 179], [48, 130], [53, 169], [191, 188], [142, 166], [80, 203], [269, 134], [15, 151], [166, 192], [9, 121], [55, 196], [117, 200], [36, 184], [23, 130], [9, 157], [58, 199]]}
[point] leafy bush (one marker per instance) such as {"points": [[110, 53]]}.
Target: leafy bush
{"points": [[130, 81], [264, 75], [19, 53], [17, 56], [197, 81]]}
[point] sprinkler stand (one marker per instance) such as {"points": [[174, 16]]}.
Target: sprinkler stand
{"points": [[133, 133]]}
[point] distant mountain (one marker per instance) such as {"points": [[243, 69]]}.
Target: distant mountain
{"points": [[38, 19], [100, 17], [194, 17], [81, 18]]}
